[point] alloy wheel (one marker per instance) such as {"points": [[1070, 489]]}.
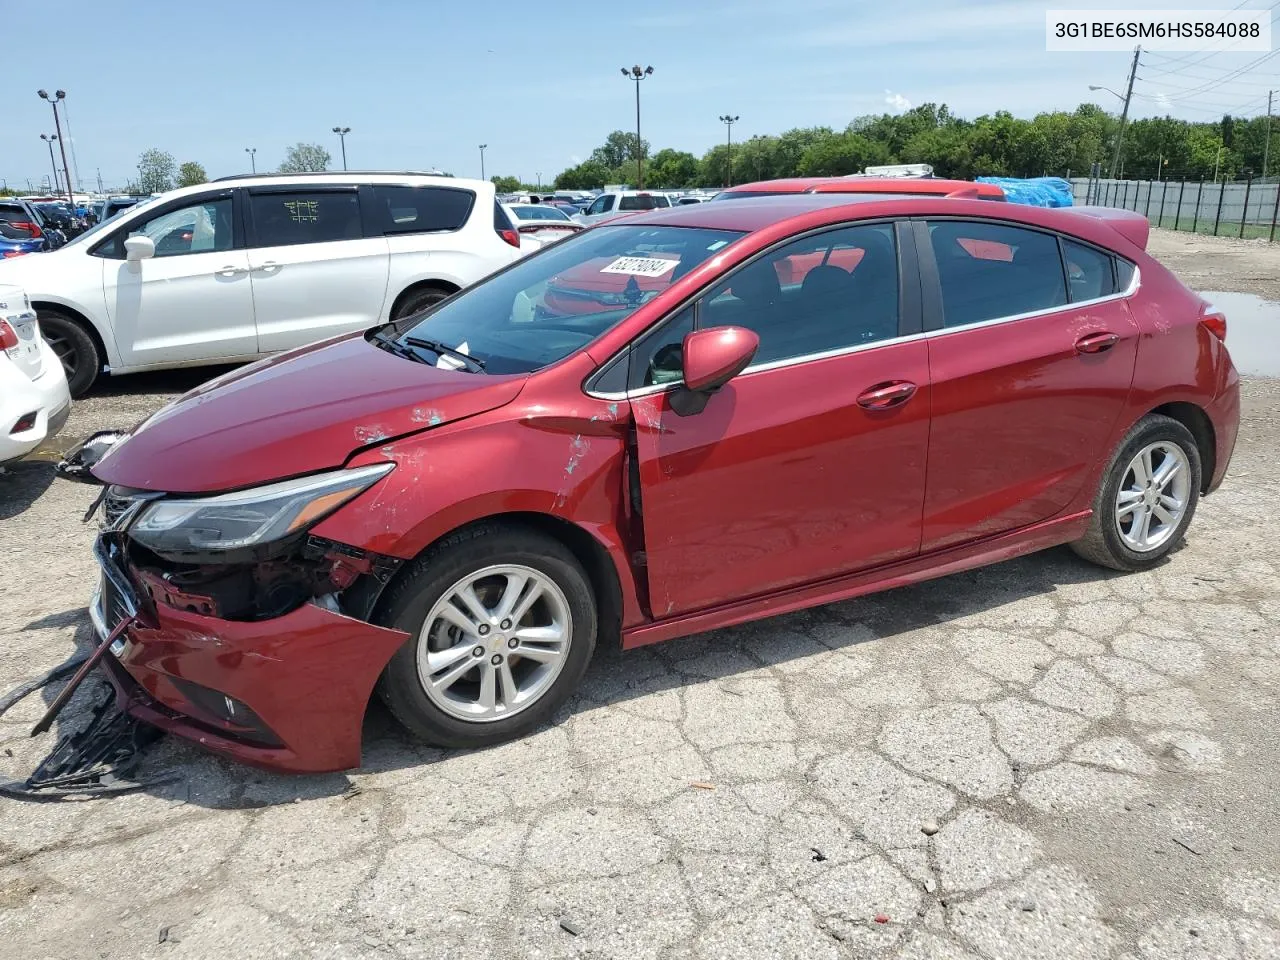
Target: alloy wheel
{"points": [[494, 643], [1153, 496], [65, 351]]}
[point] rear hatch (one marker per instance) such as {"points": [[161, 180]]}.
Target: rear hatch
{"points": [[15, 310]]}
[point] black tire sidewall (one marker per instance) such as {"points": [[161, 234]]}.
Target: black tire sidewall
{"points": [[418, 301], [413, 599], [1146, 432], [87, 359]]}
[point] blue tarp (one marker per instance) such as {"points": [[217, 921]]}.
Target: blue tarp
{"points": [[1035, 192]]}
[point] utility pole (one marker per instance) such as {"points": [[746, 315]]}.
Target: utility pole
{"points": [[99, 179], [728, 120], [482, 149], [253, 158], [1124, 115], [342, 136], [637, 74], [57, 126], [1266, 147]]}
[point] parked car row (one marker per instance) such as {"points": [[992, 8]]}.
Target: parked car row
{"points": [[674, 421], [245, 267]]}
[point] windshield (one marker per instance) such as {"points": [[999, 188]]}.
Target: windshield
{"points": [[556, 302], [102, 225]]}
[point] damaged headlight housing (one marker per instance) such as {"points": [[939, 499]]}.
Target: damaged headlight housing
{"points": [[248, 518]]}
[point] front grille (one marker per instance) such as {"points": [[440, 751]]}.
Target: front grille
{"points": [[114, 506]]}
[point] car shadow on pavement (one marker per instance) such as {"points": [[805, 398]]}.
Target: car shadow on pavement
{"points": [[614, 677], [22, 483]]}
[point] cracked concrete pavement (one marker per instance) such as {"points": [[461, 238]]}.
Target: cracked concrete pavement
{"points": [[1038, 759]]}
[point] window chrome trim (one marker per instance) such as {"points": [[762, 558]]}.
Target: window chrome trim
{"points": [[649, 391]]}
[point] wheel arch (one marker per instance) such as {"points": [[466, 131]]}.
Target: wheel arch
{"points": [[593, 555], [79, 317], [447, 286], [1195, 419]]}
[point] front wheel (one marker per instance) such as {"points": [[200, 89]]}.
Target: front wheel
{"points": [[502, 625], [1147, 497]]}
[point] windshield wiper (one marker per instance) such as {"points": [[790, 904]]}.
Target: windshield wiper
{"points": [[391, 345], [446, 351]]}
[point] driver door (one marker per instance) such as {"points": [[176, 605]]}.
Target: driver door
{"points": [[793, 472], [192, 301]]}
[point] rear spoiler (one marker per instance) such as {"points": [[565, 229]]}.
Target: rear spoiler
{"points": [[1134, 227]]}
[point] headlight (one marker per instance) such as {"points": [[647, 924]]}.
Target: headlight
{"points": [[248, 518]]}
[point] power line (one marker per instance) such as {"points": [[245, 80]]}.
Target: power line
{"points": [[1231, 76]]}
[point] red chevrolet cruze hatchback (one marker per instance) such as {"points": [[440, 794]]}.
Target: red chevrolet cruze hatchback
{"points": [[782, 402]]}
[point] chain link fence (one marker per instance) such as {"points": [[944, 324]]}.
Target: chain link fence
{"points": [[1246, 209]]}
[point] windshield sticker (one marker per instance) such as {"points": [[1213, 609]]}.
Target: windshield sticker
{"points": [[717, 245], [640, 266]]}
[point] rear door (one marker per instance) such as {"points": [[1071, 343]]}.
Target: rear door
{"points": [[1031, 357], [797, 469], [315, 273]]}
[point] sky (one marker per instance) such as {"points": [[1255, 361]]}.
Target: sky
{"points": [[422, 84]]}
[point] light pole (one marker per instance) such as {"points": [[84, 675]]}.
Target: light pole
{"points": [[57, 125], [52, 163], [728, 120], [253, 159], [342, 136], [637, 74], [482, 149]]}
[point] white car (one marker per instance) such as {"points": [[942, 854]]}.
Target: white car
{"points": [[245, 267], [621, 201], [34, 400], [540, 224]]}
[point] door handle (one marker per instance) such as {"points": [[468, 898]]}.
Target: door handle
{"points": [[884, 396], [232, 271], [267, 265], [1097, 342]]}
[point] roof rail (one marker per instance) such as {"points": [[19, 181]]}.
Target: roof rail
{"points": [[334, 173]]}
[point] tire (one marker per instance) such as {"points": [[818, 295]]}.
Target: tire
{"points": [[448, 718], [418, 300], [1115, 538], [75, 348]]}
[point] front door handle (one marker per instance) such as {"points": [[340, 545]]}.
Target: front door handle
{"points": [[884, 396], [232, 271], [1097, 342]]}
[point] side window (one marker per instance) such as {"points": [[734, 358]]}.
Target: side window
{"points": [[597, 206], [658, 358], [285, 219], [420, 209], [1089, 272], [990, 270], [606, 203], [1124, 274], [826, 292], [199, 228]]}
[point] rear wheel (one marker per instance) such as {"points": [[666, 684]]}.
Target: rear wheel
{"points": [[73, 345], [418, 300], [1147, 497], [502, 624]]}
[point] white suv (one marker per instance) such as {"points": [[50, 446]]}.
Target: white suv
{"points": [[244, 267], [609, 205]]}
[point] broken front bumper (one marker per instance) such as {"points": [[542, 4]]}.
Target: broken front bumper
{"points": [[287, 693]]}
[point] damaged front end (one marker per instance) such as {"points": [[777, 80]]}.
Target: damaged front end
{"points": [[225, 621]]}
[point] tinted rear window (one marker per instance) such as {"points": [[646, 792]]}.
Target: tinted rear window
{"points": [[642, 203], [421, 209], [285, 219]]}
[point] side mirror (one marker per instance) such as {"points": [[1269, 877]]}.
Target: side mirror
{"points": [[139, 248], [712, 358]]}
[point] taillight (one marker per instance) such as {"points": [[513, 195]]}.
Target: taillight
{"points": [[510, 236], [12, 253], [27, 225], [1216, 324], [8, 337]]}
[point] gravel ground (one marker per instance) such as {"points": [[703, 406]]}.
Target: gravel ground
{"points": [[1039, 759]]}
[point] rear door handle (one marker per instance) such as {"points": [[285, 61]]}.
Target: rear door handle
{"points": [[1097, 342], [267, 265], [884, 396], [232, 271]]}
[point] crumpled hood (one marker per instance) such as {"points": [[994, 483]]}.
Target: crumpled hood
{"points": [[296, 413]]}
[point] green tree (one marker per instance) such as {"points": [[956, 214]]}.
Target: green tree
{"points": [[305, 158], [672, 168], [587, 175], [506, 184], [618, 149], [155, 171], [840, 155], [191, 173]]}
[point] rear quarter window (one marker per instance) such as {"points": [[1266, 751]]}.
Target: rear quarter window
{"points": [[421, 209]]}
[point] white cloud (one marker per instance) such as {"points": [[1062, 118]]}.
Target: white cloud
{"points": [[574, 159], [896, 101]]}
